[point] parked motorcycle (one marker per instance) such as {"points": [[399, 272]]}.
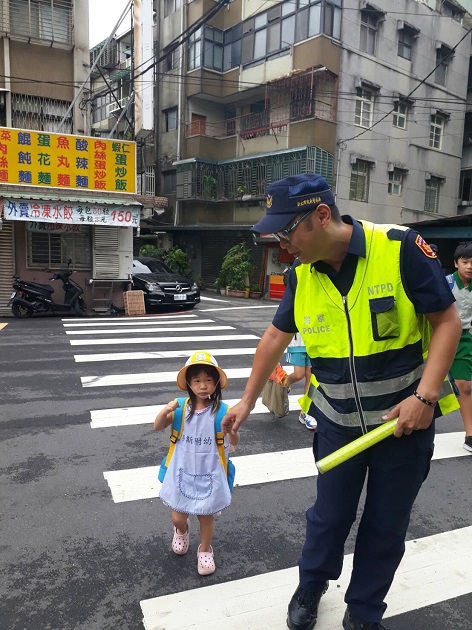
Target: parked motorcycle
{"points": [[31, 297]]}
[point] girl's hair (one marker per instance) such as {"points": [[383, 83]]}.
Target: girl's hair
{"points": [[463, 250], [195, 370]]}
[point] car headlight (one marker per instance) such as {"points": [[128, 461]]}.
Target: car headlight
{"points": [[153, 287], [194, 286]]}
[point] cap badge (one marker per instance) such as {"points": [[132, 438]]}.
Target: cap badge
{"points": [[269, 201]]}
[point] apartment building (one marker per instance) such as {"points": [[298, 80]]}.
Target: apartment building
{"points": [[402, 104], [59, 189]]}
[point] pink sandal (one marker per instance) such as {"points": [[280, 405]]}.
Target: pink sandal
{"points": [[205, 561], [181, 542]]}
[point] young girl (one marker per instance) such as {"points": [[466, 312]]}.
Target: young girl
{"points": [[195, 481]]}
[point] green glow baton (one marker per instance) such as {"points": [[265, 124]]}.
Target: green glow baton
{"points": [[357, 446]]}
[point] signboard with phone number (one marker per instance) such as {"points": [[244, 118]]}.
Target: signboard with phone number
{"points": [[72, 214]]}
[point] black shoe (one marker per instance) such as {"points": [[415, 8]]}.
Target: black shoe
{"points": [[303, 609], [468, 443], [356, 624]]}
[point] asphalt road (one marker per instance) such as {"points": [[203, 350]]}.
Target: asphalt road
{"points": [[85, 540]]}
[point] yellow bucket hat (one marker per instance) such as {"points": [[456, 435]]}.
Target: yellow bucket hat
{"points": [[201, 357]]}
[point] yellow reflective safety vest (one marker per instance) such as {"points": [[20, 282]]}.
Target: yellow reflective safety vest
{"points": [[367, 348]]}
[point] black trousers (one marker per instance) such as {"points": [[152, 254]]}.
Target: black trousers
{"points": [[395, 469]]}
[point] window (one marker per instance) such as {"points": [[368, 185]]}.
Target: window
{"points": [[395, 182], [171, 6], [406, 37], [169, 182], [53, 249], [332, 18], [195, 50], [360, 179], [278, 28], [170, 119], [400, 113], [436, 131], [466, 186], [431, 198], [170, 61], [49, 20], [213, 48], [369, 24], [364, 107], [232, 47], [443, 57]]}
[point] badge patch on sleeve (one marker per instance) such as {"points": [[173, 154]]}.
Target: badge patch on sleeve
{"points": [[425, 248]]}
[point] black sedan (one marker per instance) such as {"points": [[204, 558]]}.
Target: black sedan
{"points": [[163, 287]]}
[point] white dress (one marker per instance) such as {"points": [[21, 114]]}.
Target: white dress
{"points": [[195, 481]]}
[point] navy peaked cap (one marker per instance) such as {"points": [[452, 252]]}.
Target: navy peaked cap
{"points": [[291, 196]]}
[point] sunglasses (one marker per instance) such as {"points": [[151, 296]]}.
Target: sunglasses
{"points": [[284, 235]]}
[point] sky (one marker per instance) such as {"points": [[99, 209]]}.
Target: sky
{"points": [[103, 15]]}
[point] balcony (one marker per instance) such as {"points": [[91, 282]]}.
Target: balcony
{"points": [[247, 178], [114, 109]]}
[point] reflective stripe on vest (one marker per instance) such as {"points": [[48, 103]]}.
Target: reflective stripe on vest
{"points": [[356, 340]]}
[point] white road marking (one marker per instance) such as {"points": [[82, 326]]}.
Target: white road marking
{"points": [[235, 308], [127, 331], [134, 484], [147, 340], [209, 299], [143, 322], [150, 377], [127, 416], [434, 569], [119, 318], [163, 354]]}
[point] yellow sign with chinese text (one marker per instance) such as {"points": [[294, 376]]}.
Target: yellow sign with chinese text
{"points": [[36, 158]]}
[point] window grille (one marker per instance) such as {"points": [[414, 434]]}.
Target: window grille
{"points": [[431, 198], [360, 179], [48, 20], [39, 113], [53, 250]]}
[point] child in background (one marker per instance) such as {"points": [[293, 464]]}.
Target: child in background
{"points": [[296, 355], [460, 283], [195, 481]]}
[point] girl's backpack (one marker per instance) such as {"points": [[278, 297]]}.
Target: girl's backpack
{"points": [[177, 428]]}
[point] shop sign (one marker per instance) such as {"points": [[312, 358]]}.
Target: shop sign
{"points": [[35, 226], [36, 158], [70, 214]]}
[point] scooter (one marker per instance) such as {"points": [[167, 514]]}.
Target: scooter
{"points": [[31, 297]]}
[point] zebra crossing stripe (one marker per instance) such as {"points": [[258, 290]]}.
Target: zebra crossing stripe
{"points": [[434, 569], [147, 340], [127, 331], [134, 484], [119, 320], [143, 322], [236, 308], [163, 354], [126, 416], [151, 377]]}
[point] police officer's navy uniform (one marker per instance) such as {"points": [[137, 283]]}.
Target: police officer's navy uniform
{"points": [[367, 338]]}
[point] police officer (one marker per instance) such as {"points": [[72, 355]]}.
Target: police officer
{"points": [[380, 328]]}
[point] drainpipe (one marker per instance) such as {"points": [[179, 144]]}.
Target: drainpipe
{"points": [[183, 13]]}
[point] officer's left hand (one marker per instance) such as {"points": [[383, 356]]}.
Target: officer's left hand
{"points": [[412, 415]]}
